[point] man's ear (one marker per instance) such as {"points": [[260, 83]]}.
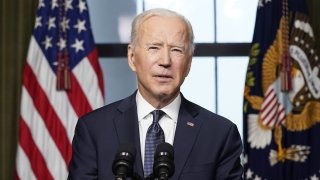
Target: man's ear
{"points": [[131, 57], [189, 65]]}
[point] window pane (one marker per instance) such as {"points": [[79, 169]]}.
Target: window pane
{"points": [[199, 13], [235, 20], [111, 20], [199, 86], [231, 79], [119, 80]]}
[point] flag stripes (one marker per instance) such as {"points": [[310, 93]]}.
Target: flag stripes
{"points": [[86, 74], [47, 113], [77, 97], [40, 135], [25, 167], [38, 164], [272, 111], [92, 56]]}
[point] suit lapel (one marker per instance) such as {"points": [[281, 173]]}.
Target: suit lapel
{"points": [[127, 127], [186, 133]]}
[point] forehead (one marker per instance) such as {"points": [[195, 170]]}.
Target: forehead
{"points": [[164, 27]]}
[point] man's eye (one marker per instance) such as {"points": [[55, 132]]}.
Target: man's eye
{"points": [[177, 50], [153, 48]]}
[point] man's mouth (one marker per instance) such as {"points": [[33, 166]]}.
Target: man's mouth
{"points": [[163, 78]]}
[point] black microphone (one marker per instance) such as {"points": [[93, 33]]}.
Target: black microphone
{"points": [[122, 166], [163, 167]]}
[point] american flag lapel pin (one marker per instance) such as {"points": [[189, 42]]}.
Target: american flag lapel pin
{"points": [[190, 124]]}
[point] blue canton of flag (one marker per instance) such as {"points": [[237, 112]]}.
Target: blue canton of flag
{"points": [[282, 95], [63, 24]]}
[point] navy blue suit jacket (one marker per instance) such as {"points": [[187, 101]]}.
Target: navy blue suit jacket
{"points": [[210, 149]]}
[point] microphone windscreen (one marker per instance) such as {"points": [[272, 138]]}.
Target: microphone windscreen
{"points": [[163, 167], [122, 166], [127, 147], [165, 147]]}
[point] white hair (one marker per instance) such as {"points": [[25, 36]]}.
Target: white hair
{"points": [[138, 20]]}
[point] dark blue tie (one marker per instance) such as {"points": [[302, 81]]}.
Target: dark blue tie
{"points": [[154, 137]]}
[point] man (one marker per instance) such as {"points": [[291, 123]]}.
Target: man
{"points": [[206, 146]]}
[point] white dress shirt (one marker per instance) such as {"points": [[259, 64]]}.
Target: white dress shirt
{"points": [[168, 122]]}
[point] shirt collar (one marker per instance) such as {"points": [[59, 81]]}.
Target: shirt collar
{"points": [[144, 108]]}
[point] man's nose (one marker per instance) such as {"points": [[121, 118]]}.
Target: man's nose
{"points": [[166, 58]]}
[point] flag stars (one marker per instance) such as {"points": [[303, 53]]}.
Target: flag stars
{"points": [[51, 23], [301, 97], [314, 177], [249, 174], [78, 45], [80, 25], [41, 4], [257, 178], [62, 43], [260, 3], [68, 5], [54, 4], [38, 22], [82, 6], [311, 51], [65, 24], [47, 42]]}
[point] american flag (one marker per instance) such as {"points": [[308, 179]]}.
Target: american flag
{"points": [[62, 80]]}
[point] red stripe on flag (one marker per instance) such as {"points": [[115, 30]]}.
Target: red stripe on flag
{"points": [[267, 113], [93, 59], [48, 114], [77, 97], [279, 121], [269, 92], [274, 116], [37, 161], [268, 103]]}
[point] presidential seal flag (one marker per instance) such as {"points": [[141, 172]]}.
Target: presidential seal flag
{"points": [[62, 80], [282, 95]]}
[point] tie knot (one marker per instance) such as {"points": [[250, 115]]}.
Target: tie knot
{"points": [[157, 115]]}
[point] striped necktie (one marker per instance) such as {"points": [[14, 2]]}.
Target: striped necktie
{"points": [[154, 137]]}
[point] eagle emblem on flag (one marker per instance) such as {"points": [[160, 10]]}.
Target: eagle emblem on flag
{"points": [[279, 118]]}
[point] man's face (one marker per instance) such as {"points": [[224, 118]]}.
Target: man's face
{"points": [[161, 59]]}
